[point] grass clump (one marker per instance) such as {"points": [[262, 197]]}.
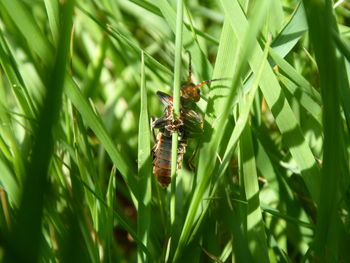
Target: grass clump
{"points": [[270, 181]]}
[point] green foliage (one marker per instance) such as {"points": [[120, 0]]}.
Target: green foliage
{"points": [[268, 181]]}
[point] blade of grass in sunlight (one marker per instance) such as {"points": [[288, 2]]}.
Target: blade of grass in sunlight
{"points": [[176, 114], [132, 44], [52, 11], [285, 119], [20, 90], [28, 28], [144, 167], [14, 155], [36, 39], [295, 76], [207, 163], [267, 180], [197, 55], [291, 32], [27, 234], [236, 133]]}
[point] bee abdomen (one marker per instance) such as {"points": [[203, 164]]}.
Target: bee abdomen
{"points": [[162, 158]]}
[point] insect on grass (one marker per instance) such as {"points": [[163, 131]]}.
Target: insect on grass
{"points": [[188, 125]]}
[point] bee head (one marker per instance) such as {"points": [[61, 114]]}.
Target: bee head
{"points": [[190, 91]]}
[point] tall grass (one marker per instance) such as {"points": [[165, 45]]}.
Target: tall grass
{"points": [[268, 181]]}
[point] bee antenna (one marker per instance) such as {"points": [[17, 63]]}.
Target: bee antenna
{"points": [[189, 79], [208, 81]]}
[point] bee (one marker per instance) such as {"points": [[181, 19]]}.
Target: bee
{"points": [[188, 125]]}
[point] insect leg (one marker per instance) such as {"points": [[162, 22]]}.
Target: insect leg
{"points": [[152, 120], [191, 159], [189, 79]]}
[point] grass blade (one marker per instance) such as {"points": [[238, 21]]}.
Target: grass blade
{"points": [[321, 23], [197, 55], [207, 162], [291, 33], [176, 114], [280, 108], [144, 168], [27, 234]]}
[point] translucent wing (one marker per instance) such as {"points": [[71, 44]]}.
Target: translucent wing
{"points": [[193, 124], [166, 99]]}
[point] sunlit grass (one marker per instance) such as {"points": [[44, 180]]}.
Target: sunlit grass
{"points": [[269, 181]]}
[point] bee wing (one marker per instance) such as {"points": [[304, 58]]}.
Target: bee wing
{"points": [[194, 116], [160, 122], [164, 120], [165, 98], [193, 124]]}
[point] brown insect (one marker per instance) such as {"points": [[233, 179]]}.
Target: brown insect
{"points": [[188, 125]]}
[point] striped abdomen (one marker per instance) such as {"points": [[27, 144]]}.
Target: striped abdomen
{"points": [[162, 157]]}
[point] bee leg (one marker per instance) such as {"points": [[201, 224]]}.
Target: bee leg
{"points": [[174, 125], [152, 120], [191, 159], [160, 122]]}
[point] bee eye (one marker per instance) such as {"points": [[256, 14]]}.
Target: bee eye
{"points": [[199, 92]]}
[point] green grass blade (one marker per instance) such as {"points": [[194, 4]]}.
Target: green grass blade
{"points": [[176, 113], [263, 120], [14, 155], [28, 27], [291, 32], [246, 105], [225, 66], [207, 162], [52, 13], [306, 101], [148, 6], [344, 49], [132, 44], [144, 167], [295, 76], [36, 39], [240, 124], [256, 236], [27, 234], [91, 119], [9, 184], [285, 118], [277, 213], [12, 72], [203, 72], [255, 225], [122, 222], [321, 25]]}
